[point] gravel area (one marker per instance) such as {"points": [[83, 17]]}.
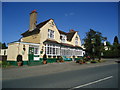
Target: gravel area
{"points": [[50, 68]]}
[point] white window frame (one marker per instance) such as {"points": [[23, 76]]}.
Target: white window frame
{"points": [[51, 34], [76, 40], [37, 51], [57, 50], [64, 38]]}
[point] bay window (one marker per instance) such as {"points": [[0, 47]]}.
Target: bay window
{"points": [[52, 50]]}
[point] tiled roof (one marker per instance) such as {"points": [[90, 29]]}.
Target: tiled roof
{"points": [[36, 30], [78, 47], [62, 44], [69, 35], [51, 41], [65, 44], [61, 32]]}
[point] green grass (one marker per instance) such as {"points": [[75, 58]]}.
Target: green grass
{"points": [[94, 61], [97, 61], [4, 64], [102, 61], [0, 63]]}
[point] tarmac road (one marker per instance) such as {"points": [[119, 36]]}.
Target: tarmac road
{"points": [[93, 77]]}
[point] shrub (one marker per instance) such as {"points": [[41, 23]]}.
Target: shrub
{"points": [[111, 54], [94, 61], [5, 64]]}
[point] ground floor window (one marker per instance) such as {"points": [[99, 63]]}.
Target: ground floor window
{"points": [[57, 50], [51, 49]]}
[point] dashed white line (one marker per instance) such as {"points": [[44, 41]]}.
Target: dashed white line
{"points": [[91, 82]]}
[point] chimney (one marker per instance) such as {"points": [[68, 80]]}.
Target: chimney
{"points": [[33, 20], [71, 30]]}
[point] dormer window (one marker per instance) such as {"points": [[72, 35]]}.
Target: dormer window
{"points": [[50, 34], [63, 38], [76, 40]]}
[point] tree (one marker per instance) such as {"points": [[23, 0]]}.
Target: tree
{"points": [[93, 43], [4, 46], [116, 46], [116, 40], [114, 51], [0, 45]]}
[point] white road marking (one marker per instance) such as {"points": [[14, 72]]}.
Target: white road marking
{"points": [[91, 82]]}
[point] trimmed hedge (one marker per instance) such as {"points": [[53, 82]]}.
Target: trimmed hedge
{"points": [[111, 54]]}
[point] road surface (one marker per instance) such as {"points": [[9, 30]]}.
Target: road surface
{"points": [[94, 77]]}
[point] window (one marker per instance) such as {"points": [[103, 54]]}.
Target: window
{"points": [[47, 50], [36, 51], [4, 52], [52, 49], [76, 40], [63, 38], [50, 34]]}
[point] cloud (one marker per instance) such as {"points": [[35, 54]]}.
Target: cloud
{"points": [[66, 14], [69, 14]]}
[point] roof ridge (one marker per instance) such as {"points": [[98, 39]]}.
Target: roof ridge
{"points": [[36, 30], [43, 22]]}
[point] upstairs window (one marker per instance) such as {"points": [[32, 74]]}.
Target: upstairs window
{"points": [[50, 34], [63, 38], [76, 40]]}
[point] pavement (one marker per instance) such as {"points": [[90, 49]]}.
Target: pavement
{"points": [[50, 68]]}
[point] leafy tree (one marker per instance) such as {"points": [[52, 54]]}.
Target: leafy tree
{"points": [[4, 46], [93, 43], [0, 45], [116, 46], [114, 51]]}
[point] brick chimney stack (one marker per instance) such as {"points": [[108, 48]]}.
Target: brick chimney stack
{"points": [[33, 20]]}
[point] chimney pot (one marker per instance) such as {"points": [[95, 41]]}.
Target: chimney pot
{"points": [[71, 30], [33, 11]]}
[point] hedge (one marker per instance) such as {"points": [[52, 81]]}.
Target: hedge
{"points": [[111, 54]]}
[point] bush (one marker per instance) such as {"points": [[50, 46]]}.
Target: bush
{"points": [[102, 61], [5, 64], [80, 61], [111, 54], [0, 62], [94, 61]]}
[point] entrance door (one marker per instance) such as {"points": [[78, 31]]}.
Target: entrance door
{"points": [[36, 53], [33, 53]]}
